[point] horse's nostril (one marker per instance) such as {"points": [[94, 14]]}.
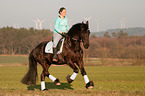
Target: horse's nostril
{"points": [[86, 46]]}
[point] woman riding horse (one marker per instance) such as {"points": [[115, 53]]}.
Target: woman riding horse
{"points": [[61, 27], [72, 55]]}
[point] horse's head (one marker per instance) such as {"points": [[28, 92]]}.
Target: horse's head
{"points": [[80, 32], [85, 32]]}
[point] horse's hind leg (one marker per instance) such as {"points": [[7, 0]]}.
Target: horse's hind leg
{"points": [[44, 74], [55, 80], [89, 84], [71, 78]]}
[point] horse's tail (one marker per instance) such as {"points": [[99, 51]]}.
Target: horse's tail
{"points": [[30, 77]]}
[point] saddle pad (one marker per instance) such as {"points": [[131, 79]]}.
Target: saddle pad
{"points": [[49, 47]]}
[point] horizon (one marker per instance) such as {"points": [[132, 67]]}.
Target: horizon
{"points": [[91, 31]]}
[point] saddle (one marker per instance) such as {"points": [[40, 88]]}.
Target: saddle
{"points": [[49, 46]]}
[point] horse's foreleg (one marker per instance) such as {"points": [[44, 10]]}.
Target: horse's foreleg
{"points": [[89, 84], [73, 76]]}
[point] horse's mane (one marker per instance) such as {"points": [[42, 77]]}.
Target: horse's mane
{"points": [[74, 29]]}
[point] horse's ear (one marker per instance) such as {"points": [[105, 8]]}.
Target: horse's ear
{"points": [[82, 22], [87, 23]]}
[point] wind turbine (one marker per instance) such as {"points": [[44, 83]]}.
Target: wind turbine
{"points": [[36, 23], [97, 25], [37, 20], [15, 26], [40, 25], [18, 26], [122, 23], [87, 19]]}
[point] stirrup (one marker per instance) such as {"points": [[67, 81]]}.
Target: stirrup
{"points": [[55, 58]]}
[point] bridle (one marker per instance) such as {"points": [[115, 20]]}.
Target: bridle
{"points": [[77, 40]]}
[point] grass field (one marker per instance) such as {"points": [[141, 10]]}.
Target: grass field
{"points": [[116, 81], [13, 60], [109, 80]]}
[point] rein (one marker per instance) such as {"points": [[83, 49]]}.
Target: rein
{"points": [[68, 36], [75, 39]]}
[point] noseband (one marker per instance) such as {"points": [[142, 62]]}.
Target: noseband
{"points": [[75, 39]]}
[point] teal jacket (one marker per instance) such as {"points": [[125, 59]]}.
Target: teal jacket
{"points": [[61, 25]]}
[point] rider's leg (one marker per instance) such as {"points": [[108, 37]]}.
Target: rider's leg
{"points": [[55, 54], [56, 38]]}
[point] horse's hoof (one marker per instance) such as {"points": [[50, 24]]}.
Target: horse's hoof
{"points": [[90, 85], [57, 82], [44, 89], [68, 79]]}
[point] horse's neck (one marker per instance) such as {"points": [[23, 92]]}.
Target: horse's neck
{"points": [[73, 44], [73, 35]]}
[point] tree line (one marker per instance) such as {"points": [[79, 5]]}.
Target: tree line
{"points": [[119, 45], [122, 48], [21, 41]]}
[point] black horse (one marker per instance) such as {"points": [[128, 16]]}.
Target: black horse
{"points": [[71, 55]]}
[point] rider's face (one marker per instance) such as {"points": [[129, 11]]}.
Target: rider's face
{"points": [[63, 13]]}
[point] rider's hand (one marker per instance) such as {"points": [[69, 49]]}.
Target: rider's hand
{"points": [[60, 32], [64, 34]]}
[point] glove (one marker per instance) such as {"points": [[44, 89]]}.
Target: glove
{"points": [[64, 34]]}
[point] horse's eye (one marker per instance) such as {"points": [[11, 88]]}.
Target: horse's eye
{"points": [[82, 29]]}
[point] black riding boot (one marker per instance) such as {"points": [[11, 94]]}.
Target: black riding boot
{"points": [[55, 56]]}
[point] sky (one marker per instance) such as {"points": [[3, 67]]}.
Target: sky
{"points": [[108, 13]]}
